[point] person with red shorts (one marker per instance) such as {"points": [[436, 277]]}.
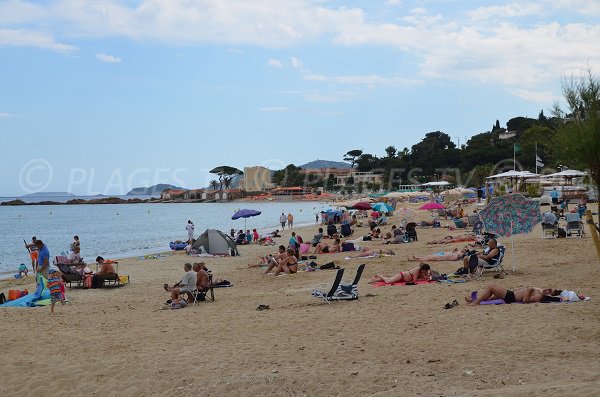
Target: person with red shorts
{"points": [[33, 252]]}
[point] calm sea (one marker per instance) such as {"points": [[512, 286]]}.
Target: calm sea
{"points": [[125, 230]]}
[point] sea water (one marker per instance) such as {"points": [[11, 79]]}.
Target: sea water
{"points": [[126, 230]]}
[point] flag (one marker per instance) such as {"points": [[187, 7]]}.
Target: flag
{"points": [[538, 161], [517, 148]]}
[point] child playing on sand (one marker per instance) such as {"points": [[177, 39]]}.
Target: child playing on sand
{"points": [[22, 271], [54, 286]]}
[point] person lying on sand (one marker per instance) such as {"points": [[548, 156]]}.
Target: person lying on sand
{"points": [[323, 248], [422, 272], [271, 258], [454, 255], [367, 252], [457, 239], [288, 265], [522, 294]]}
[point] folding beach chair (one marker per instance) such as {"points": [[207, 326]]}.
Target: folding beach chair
{"points": [[328, 295], [349, 291], [202, 296], [69, 275], [574, 224], [477, 228], [549, 230], [459, 223], [496, 264], [411, 231]]}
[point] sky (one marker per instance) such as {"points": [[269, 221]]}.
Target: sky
{"points": [[97, 97]]}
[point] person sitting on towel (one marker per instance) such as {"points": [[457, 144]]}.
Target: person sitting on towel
{"points": [[422, 272], [522, 294], [267, 260], [288, 265]]}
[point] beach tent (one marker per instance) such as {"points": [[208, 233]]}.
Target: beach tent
{"points": [[215, 242], [41, 296]]}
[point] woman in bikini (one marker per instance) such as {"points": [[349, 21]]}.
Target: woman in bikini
{"points": [[454, 255], [422, 272], [288, 265]]}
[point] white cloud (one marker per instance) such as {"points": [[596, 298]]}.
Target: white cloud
{"points": [[315, 77], [275, 63], [29, 38], [518, 43], [296, 63], [5, 114], [541, 97], [370, 80], [275, 109], [108, 58], [510, 10]]}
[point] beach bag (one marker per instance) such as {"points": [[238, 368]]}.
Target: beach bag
{"points": [[97, 281], [2, 298], [327, 266], [562, 233], [346, 247], [473, 262], [87, 281], [304, 248]]}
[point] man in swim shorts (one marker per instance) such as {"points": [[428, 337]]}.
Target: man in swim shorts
{"points": [[522, 294]]}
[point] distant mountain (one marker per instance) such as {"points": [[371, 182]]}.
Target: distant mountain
{"points": [[152, 190], [49, 194], [318, 164]]}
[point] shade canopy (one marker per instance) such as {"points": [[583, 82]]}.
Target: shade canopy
{"points": [[566, 174], [513, 174]]}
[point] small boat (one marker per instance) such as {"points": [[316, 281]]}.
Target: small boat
{"points": [[177, 246]]}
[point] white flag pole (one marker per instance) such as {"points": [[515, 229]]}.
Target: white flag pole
{"points": [[536, 159], [512, 241]]}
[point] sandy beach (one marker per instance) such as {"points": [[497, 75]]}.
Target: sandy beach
{"points": [[393, 341]]}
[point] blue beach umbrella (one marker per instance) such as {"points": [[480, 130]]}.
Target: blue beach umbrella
{"points": [[382, 208], [245, 213]]}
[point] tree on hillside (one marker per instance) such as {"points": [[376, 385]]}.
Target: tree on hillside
{"points": [[226, 174], [520, 124], [391, 151], [434, 152], [289, 176], [578, 138], [352, 155], [366, 162]]}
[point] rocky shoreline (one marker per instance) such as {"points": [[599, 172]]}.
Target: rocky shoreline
{"points": [[103, 200]]}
